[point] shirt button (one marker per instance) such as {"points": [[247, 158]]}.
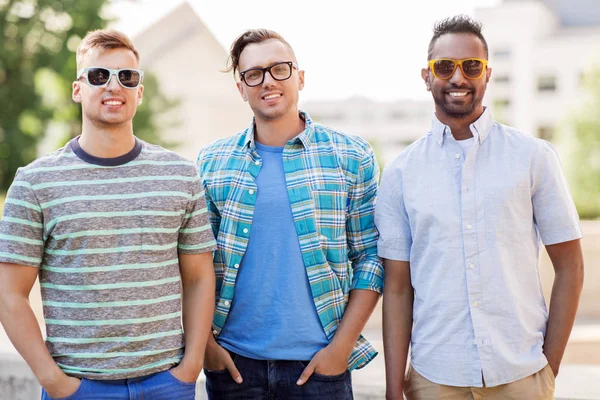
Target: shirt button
{"points": [[475, 304], [469, 226], [226, 302], [215, 332], [457, 155], [251, 191], [472, 266], [245, 230], [236, 266], [257, 162]]}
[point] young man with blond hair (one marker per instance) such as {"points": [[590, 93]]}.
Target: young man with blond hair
{"points": [[117, 230], [291, 204]]}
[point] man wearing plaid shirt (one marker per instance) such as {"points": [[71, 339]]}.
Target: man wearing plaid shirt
{"points": [[292, 207]]}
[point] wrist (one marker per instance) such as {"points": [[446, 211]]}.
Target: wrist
{"points": [[192, 366], [51, 377], [342, 347]]}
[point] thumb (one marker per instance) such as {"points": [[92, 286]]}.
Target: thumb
{"points": [[308, 371]]}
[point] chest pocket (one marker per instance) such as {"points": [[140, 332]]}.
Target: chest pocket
{"points": [[331, 210], [507, 207]]}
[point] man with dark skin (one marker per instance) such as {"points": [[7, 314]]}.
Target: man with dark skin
{"points": [[461, 213]]}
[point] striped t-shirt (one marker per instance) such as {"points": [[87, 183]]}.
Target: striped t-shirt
{"points": [[106, 234]]}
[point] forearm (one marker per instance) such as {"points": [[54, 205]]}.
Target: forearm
{"points": [[360, 307], [563, 308], [198, 311], [23, 330], [397, 328]]}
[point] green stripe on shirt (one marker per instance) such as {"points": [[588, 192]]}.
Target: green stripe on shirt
{"points": [[111, 303], [129, 321], [69, 369], [115, 197], [106, 286], [84, 270], [113, 181], [126, 339]]}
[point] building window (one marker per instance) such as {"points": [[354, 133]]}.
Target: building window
{"points": [[547, 83], [502, 53], [502, 79], [545, 132]]}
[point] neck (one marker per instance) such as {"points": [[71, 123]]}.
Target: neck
{"points": [[107, 141], [278, 132], [459, 126]]}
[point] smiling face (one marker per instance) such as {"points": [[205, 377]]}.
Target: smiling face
{"points": [[457, 97], [111, 105], [271, 100]]}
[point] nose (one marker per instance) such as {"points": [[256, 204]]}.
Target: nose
{"points": [[268, 80], [113, 84], [457, 76]]}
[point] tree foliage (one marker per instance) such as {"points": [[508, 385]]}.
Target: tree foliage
{"points": [[37, 44], [38, 39], [584, 165]]}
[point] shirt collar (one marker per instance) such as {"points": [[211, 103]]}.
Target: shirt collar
{"points": [[304, 137], [480, 129]]}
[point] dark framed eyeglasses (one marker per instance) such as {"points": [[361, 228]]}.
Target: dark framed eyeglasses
{"points": [[279, 71], [471, 68], [99, 76]]}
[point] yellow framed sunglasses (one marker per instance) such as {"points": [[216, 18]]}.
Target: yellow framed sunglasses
{"points": [[444, 68]]}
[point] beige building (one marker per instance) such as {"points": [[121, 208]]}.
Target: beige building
{"points": [[187, 59]]}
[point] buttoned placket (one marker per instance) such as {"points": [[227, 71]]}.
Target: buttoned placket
{"points": [[472, 228]]}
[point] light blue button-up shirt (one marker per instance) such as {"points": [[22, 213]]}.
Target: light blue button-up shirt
{"points": [[470, 225]]}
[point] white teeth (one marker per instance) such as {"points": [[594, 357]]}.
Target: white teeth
{"points": [[272, 96], [113, 103], [457, 94]]}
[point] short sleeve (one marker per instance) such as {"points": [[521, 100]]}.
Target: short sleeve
{"points": [[391, 219], [554, 211], [22, 225], [195, 235]]}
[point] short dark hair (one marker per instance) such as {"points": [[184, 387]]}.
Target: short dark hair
{"points": [[249, 37], [458, 24]]}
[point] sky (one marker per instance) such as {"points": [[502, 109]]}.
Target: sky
{"points": [[373, 48]]}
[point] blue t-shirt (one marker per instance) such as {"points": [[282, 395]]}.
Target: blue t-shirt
{"points": [[273, 315]]}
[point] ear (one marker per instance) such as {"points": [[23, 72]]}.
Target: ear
{"points": [[140, 94], [425, 77], [300, 80], [76, 93], [242, 90], [488, 74]]}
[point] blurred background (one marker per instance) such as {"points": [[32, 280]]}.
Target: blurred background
{"points": [[362, 64]]}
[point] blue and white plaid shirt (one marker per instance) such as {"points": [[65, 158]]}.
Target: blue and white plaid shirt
{"points": [[332, 184]]}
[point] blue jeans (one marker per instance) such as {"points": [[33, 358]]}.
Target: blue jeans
{"points": [[275, 380], [159, 386]]}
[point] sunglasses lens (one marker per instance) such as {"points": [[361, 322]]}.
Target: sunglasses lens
{"points": [[444, 68], [129, 78], [472, 68], [98, 76]]}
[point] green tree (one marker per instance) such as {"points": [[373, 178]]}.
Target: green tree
{"points": [[584, 162], [38, 39]]}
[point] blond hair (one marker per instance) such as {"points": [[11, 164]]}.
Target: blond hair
{"points": [[104, 39]]}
